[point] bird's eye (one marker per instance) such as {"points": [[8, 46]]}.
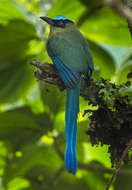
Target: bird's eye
{"points": [[60, 23]]}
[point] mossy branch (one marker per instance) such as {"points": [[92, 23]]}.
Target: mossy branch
{"points": [[94, 92]]}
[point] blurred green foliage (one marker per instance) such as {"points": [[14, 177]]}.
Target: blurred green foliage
{"points": [[32, 113]]}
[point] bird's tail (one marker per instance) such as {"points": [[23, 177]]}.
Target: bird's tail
{"points": [[72, 109]]}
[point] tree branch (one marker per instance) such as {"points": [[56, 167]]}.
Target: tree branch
{"points": [[118, 166], [52, 181], [47, 72], [60, 154]]}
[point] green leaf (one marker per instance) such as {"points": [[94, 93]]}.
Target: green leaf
{"points": [[122, 73], [71, 9], [32, 156], [40, 176], [107, 26], [102, 60], [16, 76], [99, 153], [64, 180], [127, 92], [52, 98], [82, 128], [3, 154], [70, 182], [118, 53], [21, 126], [18, 184], [9, 11], [16, 39], [94, 181]]}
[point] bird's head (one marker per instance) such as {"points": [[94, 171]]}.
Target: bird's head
{"points": [[58, 21]]}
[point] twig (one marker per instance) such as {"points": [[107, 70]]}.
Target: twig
{"points": [[52, 181], [100, 169], [58, 150], [124, 154], [111, 180], [95, 167]]}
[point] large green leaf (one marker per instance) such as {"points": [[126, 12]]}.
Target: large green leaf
{"points": [[32, 156], [70, 182], [16, 36], [119, 53], [123, 72], [9, 11], [94, 180], [16, 75], [71, 9], [19, 127], [18, 184], [52, 98], [102, 60], [107, 26], [99, 153], [60, 180]]}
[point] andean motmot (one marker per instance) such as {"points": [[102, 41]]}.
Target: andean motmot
{"points": [[71, 56]]}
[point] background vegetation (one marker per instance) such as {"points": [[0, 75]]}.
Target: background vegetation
{"points": [[32, 139]]}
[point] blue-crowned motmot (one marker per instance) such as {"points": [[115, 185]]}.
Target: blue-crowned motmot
{"points": [[70, 54]]}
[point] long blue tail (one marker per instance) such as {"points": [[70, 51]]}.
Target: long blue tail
{"points": [[72, 109], [72, 81]]}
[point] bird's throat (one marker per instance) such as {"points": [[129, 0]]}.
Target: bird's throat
{"points": [[56, 30]]}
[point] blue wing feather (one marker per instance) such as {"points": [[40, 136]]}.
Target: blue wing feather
{"points": [[70, 78]]}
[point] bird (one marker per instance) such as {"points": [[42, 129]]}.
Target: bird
{"points": [[69, 51]]}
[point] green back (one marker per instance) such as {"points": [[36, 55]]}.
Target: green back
{"points": [[72, 48]]}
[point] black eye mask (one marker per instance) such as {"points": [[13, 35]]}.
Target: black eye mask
{"points": [[61, 23]]}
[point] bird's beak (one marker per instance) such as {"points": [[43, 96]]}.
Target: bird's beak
{"points": [[48, 20]]}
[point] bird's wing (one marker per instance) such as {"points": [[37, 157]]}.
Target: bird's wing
{"points": [[89, 56], [70, 78]]}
